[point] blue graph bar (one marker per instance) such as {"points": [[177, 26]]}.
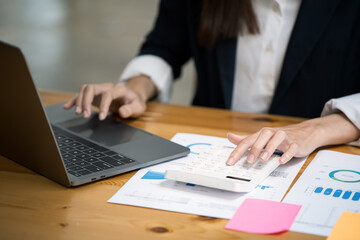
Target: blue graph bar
{"points": [[356, 196], [328, 191], [337, 193], [347, 195], [152, 175]]}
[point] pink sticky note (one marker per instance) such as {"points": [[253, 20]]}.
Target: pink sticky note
{"points": [[263, 216]]}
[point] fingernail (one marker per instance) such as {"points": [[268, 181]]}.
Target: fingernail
{"points": [[124, 112], [264, 155], [283, 159], [78, 110], [251, 158], [101, 115], [230, 161]]}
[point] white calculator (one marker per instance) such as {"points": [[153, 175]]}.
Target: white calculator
{"points": [[209, 168]]}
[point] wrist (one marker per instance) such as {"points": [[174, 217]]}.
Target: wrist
{"points": [[314, 131], [143, 86]]}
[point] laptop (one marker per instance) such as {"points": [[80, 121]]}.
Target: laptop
{"points": [[61, 145]]}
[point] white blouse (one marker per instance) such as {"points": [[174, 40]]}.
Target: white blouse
{"points": [[259, 60], [259, 57]]}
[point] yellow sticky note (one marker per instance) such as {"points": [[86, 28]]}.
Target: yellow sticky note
{"points": [[347, 227]]}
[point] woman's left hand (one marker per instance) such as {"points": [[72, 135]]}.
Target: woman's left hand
{"points": [[297, 140]]}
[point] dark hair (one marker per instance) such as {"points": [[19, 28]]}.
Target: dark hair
{"points": [[226, 19]]}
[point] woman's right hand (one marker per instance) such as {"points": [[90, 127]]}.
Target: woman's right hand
{"points": [[126, 100]]}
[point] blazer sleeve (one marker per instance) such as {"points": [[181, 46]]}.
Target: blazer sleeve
{"points": [[169, 37], [348, 105]]}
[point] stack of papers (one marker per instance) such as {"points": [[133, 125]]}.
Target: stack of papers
{"points": [[329, 186], [148, 187]]}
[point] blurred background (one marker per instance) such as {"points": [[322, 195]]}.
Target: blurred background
{"points": [[71, 42]]}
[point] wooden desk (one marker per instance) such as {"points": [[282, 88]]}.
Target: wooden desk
{"points": [[33, 207]]}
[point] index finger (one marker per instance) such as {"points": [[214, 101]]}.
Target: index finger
{"points": [[69, 104], [241, 148], [88, 96], [107, 97]]}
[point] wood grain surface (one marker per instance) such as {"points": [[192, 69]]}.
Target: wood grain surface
{"points": [[33, 207]]}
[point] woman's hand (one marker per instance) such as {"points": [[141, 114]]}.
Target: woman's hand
{"points": [[297, 140], [127, 100]]}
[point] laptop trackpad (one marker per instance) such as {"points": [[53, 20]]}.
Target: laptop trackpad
{"points": [[108, 132]]}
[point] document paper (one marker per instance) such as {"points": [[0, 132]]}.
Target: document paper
{"points": [[148, 187], [329, 186]]}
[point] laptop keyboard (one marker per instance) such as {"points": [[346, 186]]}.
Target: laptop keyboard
{"points": [[82, 157]]}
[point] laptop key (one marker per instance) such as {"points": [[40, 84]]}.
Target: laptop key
{"points": [[102, 165], [82, 148], [112, 161], [82, 156], [66, 156], [60, 138], [110, 153], [127, 160], [91, 159], [67, 140], [118, 157], [75, 152], [89, 151], [93, 168], [74, 173], [67, 148], [69, 164], [99, 148], [75, 168], [75, 144], [84, 172], [98, 155], [83, 163], [74, 159]]}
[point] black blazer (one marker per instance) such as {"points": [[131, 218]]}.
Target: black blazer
{"points": [[322, 60]]}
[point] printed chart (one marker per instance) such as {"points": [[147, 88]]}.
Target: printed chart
{"points": [[329, 186], [149, 188]]}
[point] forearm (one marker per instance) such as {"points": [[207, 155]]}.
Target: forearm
{"points": [[143, 86]]}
